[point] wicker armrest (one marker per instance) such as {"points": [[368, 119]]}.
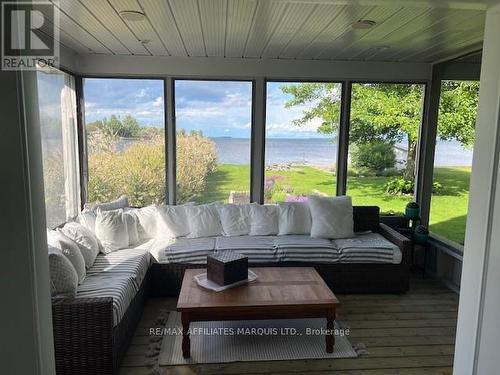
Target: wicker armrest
{"points": [[404, 244], [82, 301], [83, 335]]}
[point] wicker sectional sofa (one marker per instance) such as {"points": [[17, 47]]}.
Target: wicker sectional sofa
{"points": [[90, 337]]}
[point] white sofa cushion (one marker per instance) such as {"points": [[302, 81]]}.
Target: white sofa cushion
{"points": [[85, 239], [132, 261], [87, 219], [120, 287], [132, 223], [172, 221], [182, 250], [304, 248], [63, 276], [264, 220], [121, 202], [111, 230], [235, 219], [258, 249], [332, 217], [147, 221], [70, 250], [368, 248], [294, 218], [203, 220]]}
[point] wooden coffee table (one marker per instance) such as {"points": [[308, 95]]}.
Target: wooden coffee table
{"points": [[278, 293]]}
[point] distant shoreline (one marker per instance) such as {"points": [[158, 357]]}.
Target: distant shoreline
{"points": [[315, 152]]}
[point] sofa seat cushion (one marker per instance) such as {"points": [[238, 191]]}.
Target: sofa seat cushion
{"points": [[304, 248], [259, 249], [133, 262], [368, 248], [182, 250], [120, 287]]}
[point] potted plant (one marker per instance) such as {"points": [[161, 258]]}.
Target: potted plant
{"points": [[412, 210], [421, 235]]}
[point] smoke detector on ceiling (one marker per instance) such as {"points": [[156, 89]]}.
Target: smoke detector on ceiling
{"points": [[363, 24], [132, 15]]}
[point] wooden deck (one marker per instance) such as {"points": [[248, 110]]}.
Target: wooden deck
{"points": [[405, 334]]}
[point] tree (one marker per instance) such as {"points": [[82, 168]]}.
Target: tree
{"points": [[458, 111], [388, 112], [130, 127]]}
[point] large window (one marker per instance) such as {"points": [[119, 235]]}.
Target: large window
{"points": [[384, 127], [453, 159], [213, 125], [57, 110], [124, 122], [302, 122]]}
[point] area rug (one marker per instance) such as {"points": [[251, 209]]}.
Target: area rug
{"points": [[260, 340]]}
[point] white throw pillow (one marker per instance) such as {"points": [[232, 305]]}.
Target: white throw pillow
{"points": [[132, 230], [294, 218], [87, 219], [111, 230], [263, 220], [63, 276], [173, 220], [86, 240], [147, 221], [70, 250], [203, 220], [235, 219], [121, 202], [331, 217]]}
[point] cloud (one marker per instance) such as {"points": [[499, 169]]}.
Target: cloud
{"points": [[158, 102], [142, 99], [218, 108]]}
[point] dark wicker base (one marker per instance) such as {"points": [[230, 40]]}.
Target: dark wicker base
{"points": [[85, 340], [340, 278]]}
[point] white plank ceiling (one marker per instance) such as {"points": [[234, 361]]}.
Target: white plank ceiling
{"points": [[416, 31]]}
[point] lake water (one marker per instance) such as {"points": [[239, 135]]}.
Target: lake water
{"points": [[320, 152], [314, 151]]}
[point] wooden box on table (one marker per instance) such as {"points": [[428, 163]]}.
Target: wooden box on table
{"points": [[227, 267]]}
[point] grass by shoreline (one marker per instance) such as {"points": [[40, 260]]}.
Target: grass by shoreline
{"points": [[448, 209]]}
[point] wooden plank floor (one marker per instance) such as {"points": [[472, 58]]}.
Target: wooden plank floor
{"points": [[407, 334]]}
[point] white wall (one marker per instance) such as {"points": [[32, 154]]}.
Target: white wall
{"points": [[478, 334], [249, 68], [26, 345]]}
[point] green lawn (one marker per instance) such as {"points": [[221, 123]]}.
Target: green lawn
{"points": [[448, 209]]}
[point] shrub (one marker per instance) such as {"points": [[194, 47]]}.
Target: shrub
{"points": [[373, 157], [196, 159], [402, 186], [399, 186], [139, 170]]}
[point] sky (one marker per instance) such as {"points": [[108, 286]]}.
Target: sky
{"points": [[217, 108]]}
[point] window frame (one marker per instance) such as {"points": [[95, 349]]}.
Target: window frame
{"points": [[173, 129], [439, 238], [83, 134], [425, 85], [339, 156]]}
